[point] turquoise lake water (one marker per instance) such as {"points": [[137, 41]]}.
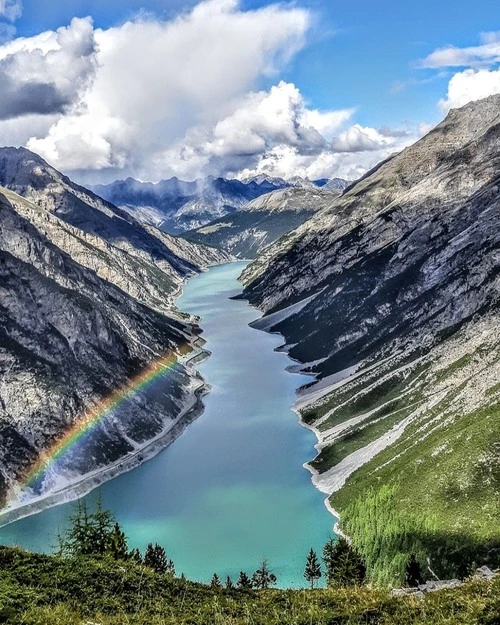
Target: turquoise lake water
{"points": [[231, 489]]}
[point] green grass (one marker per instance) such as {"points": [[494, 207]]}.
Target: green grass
{"points": [[438, 496], [49, 590], [436, 490]]}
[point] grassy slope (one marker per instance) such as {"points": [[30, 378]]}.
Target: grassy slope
{"points": [[436, 491], [47, 590]]}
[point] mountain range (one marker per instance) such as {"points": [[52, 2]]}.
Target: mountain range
{"points": [[176, 206]]}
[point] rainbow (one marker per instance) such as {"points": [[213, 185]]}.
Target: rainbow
{"points": [[94, 415]]}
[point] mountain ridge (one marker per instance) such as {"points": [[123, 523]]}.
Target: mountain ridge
{"points": [[87, 303], [177, 206], [250, 230], [390, 296]]}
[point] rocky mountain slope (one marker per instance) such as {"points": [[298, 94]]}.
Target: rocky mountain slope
{"points": [[85, 304], [146, 262], [391, 297], [177, 206], [248, 231]]}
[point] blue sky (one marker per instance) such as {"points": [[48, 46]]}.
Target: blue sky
{"points": [[360, 56], [360, 53]]}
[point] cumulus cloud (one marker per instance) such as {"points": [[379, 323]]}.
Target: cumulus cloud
{"points": [[274, 132], [260, 122], [470, 85], [152, 98], [41, 82], [155, 80], [360, 139]]}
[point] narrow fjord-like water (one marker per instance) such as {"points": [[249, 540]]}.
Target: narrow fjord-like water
{"points": [[232, 489]]}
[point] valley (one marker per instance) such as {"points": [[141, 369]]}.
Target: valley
{"points": [[231, 489], [384, 294]]}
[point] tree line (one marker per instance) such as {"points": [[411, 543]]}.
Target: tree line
{"points": [[98, 534]]}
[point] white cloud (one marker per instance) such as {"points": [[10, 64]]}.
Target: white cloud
{"points": [[361, 139], [11, 9], [154, 98], [470, 85], [479, 78], [156, 80], [274, 132], [261, 123], [486, 53]]}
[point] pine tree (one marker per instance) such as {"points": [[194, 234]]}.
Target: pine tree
{"points": [[344, 566], [75, 540], [413, 573], [215, 582], [312, 571], [101, 524], [155, 558], [170, 568], [263, 578], [118, 544], [89, 533], [136, 556], [329, 554], [229, 583], [244, 582]]}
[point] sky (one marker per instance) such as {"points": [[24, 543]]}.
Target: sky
{"points": [[159, 88]]}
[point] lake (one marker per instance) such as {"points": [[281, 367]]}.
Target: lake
{"points": [[231, 490]]}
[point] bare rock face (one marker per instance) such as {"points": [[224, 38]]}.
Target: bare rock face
{"points": [[86, 302]]}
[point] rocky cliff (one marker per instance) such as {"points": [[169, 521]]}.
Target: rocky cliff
{"points": [[390, 296], [85, 304]]}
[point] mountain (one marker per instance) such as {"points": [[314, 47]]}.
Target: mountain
{"points": [[335, 183], [145, 261], [176, 205], [248, 231], [86, 304], [390, 296]]}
